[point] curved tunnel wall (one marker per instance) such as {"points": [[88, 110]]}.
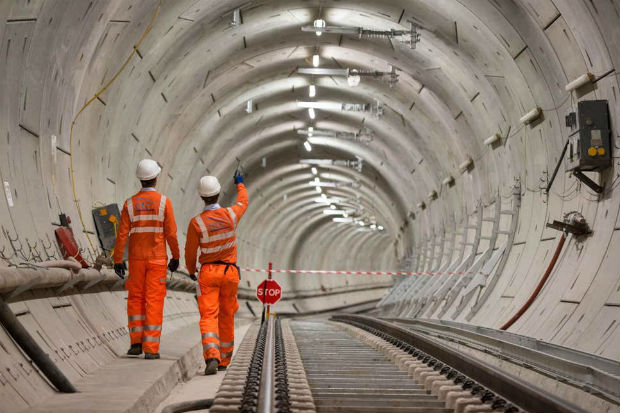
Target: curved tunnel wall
{"points": [[478, 68]]}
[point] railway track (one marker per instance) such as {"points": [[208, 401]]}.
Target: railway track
{"points": [[361, 364], [347, 375], [597, 376]]}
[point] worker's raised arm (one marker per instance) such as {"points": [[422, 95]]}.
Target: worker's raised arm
{"points": [[121, 236], [191, 246], [170, 230], [242, 197]]}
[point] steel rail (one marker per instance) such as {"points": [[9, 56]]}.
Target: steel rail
{"points": [[261, 379], [517, 391], [595, 374], [349, 370], [282, 388], [266, 390], [251, 388]]}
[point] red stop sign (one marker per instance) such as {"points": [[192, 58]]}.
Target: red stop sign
{"points": [[269, 292]]}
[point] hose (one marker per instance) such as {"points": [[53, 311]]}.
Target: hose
{"points": [[66, 264], [188, 406], [21, 336], [91, 100], [539, 287]]}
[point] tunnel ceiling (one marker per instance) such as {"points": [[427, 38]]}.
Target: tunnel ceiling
{"points": [[182, 99]]}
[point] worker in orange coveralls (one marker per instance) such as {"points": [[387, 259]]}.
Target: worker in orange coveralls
{"points": [[148, 221], [214, 232]]}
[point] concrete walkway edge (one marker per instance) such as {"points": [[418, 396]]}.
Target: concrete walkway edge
{"points": [[181, 370]]}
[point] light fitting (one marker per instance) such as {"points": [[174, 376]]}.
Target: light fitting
{"points": [[580, 81], [531, 116], [311, 91]]}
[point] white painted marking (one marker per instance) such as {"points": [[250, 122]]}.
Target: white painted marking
{"points": [[54, 149], [7, 192]]}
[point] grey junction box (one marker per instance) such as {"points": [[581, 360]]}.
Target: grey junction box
{"points": [[107, 220], [590, 149]]}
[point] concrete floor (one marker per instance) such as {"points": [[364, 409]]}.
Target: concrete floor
{"points": [[201, 386], [134, 384]]}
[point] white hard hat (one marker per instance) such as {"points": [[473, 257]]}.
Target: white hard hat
{"points": [[147, 169], [208, 186]]}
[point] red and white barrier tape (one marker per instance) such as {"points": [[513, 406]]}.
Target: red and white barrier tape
{"points": [[323, 272]]}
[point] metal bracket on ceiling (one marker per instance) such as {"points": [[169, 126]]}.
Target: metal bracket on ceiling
{"points": [[410, 37]]}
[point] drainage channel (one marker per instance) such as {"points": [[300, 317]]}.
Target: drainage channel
{"points": [[347, 375]]}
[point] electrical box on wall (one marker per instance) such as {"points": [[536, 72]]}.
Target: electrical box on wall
{"points": [[107, 219], [590, 149]]}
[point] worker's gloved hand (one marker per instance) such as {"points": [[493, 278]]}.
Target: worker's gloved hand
{"points": [[119, 269], [238, 178], [193, 277], [173, 264]]}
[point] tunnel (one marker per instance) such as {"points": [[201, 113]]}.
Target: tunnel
{"points": [[446, 169]]}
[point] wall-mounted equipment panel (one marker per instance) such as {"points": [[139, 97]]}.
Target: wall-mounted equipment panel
{"points": [[107, 219], [590, 149]]}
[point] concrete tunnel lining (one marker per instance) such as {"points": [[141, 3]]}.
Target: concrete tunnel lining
{"points": [[182, 100]]}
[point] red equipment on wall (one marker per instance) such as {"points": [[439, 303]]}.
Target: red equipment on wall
{"points": [[66, 241]]}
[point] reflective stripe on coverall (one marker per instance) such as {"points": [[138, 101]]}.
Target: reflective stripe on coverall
{"points": [[217, 302], [148, 221], [214, 232]]}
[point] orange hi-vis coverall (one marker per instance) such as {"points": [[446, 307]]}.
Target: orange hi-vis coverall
{"points": [[148, 221], [214, 231]]}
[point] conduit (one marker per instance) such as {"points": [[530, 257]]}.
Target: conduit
{"points": [[539, 287], [91, 100], [66, 264], [47, 279], [21, 336]]}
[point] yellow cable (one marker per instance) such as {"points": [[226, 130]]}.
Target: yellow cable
{"points": [[114, 222], [91, 100]]}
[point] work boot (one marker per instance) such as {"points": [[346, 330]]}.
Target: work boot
{"points": [[135, 350], [221, 368], [151, 356], [211, 367]]}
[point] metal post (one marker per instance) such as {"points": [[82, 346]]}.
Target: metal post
{"points": [[266, 393], [269, 278], [265, 295]]}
